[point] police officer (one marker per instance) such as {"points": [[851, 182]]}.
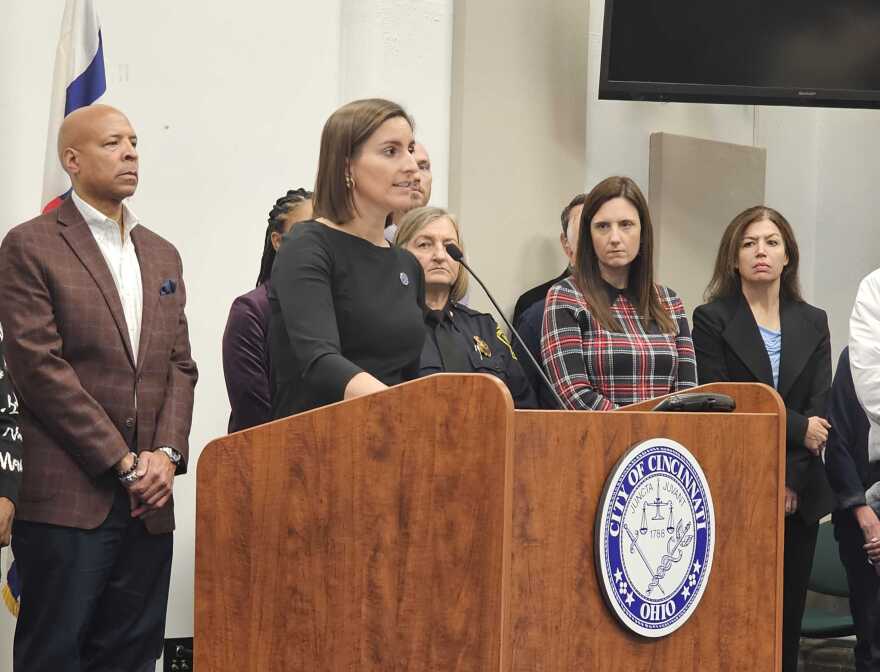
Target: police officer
{"points": [[458, 339]]}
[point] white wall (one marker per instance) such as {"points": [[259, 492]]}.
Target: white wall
{"points": [[403, 51], [518, 120], [228, 102], [847, 229]]}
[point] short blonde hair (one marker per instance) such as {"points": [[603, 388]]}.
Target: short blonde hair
{"points": [[416, 220]]}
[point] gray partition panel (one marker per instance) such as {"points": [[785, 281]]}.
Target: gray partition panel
{"points": [[696, 187]]}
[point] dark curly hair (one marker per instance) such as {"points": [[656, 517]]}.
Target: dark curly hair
{"points": [[277, 214]]}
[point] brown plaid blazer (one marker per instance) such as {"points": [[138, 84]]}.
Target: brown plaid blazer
{"points": [[68, 352]]}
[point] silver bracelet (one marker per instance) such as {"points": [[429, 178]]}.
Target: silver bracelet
{"points": [[130, 476]]}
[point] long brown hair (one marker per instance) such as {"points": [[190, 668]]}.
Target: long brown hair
{"points": [[726, 281], [588, 275], [344, 134]]}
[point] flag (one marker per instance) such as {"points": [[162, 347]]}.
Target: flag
{"points": [[79, 80], [12, 588]]}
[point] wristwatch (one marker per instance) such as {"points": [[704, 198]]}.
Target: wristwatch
{"points": [[170, 453]]}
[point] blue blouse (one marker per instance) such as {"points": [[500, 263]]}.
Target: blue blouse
{"points": [[773, 345]]}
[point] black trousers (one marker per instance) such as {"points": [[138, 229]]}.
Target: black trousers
{"points": [[91, 600], [800, 545], [864, 591]]}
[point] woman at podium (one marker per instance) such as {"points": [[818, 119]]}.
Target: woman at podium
{"points": [[757, 328], [611, 336], [458, 339], [346, 305]]}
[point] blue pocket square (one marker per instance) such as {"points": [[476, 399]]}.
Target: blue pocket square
{"points": [[168, 287]]}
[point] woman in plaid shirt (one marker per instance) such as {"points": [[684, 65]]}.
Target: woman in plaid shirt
{"points": [[611, 337]]}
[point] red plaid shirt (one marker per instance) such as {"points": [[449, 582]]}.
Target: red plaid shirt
{"points": [[595, 369]]}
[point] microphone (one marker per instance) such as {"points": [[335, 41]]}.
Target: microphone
{"points": [[455, 252]]}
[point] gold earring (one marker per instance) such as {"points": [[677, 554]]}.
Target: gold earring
{"points": [[349, 181]]}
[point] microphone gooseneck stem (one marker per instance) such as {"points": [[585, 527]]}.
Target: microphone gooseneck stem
{"points": [[515, 333]]}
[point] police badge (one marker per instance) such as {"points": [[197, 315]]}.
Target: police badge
{"points": [[655, 537], [482, 347]]}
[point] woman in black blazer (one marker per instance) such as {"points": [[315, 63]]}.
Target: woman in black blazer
{"points": [[757, 328]]}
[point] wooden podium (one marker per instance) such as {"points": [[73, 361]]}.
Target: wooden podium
{"points": [[432, 527]]}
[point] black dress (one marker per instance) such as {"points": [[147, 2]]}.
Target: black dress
{"points": [[340, 306]]}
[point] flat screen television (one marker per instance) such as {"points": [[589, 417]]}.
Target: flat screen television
{"points": [[763, 52]]}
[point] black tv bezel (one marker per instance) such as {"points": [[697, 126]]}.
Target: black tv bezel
{"points": [[675, 92]]}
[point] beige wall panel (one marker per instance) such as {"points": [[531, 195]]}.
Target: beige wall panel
{"points": [[696, 187], [518, 127]]}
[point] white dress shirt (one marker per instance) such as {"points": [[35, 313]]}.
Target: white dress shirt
{"points": [[864, 355], [119, 253]]}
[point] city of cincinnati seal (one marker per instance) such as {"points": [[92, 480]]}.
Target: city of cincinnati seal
{"points": [[655, 536]]}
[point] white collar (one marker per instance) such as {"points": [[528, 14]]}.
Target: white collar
{"points": [[97, 219]]}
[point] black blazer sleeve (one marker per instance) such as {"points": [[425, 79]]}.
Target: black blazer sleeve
{"points": [[847, 448], [709, 346], [820, 365], [719, 360], [803, 471]]}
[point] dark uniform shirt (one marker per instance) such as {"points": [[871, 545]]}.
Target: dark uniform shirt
{"points": [[461, 340]]}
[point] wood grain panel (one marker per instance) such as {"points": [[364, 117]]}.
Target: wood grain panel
{"points": [[429, 527], [559, 620], [369, 535]]}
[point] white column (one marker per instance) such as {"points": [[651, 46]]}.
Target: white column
{"points": [[402, 50]]}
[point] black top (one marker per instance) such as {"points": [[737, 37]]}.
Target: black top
{"points": [[534, 295], [340, 306], [462, 340], [729, 348], [846, 453]]}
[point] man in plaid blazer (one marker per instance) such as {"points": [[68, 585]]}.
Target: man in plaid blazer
{"points": [[98, 349]]}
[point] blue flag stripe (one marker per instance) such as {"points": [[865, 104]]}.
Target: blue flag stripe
{"points": [[90, 85]]}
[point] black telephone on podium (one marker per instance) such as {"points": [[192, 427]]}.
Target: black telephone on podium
{"points": [[697, 402]]}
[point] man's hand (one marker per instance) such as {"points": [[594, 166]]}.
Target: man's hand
{"points": [[125, 464], [870, 526], [791, 501], [152, 490], [817, 434], [7, 513]]}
